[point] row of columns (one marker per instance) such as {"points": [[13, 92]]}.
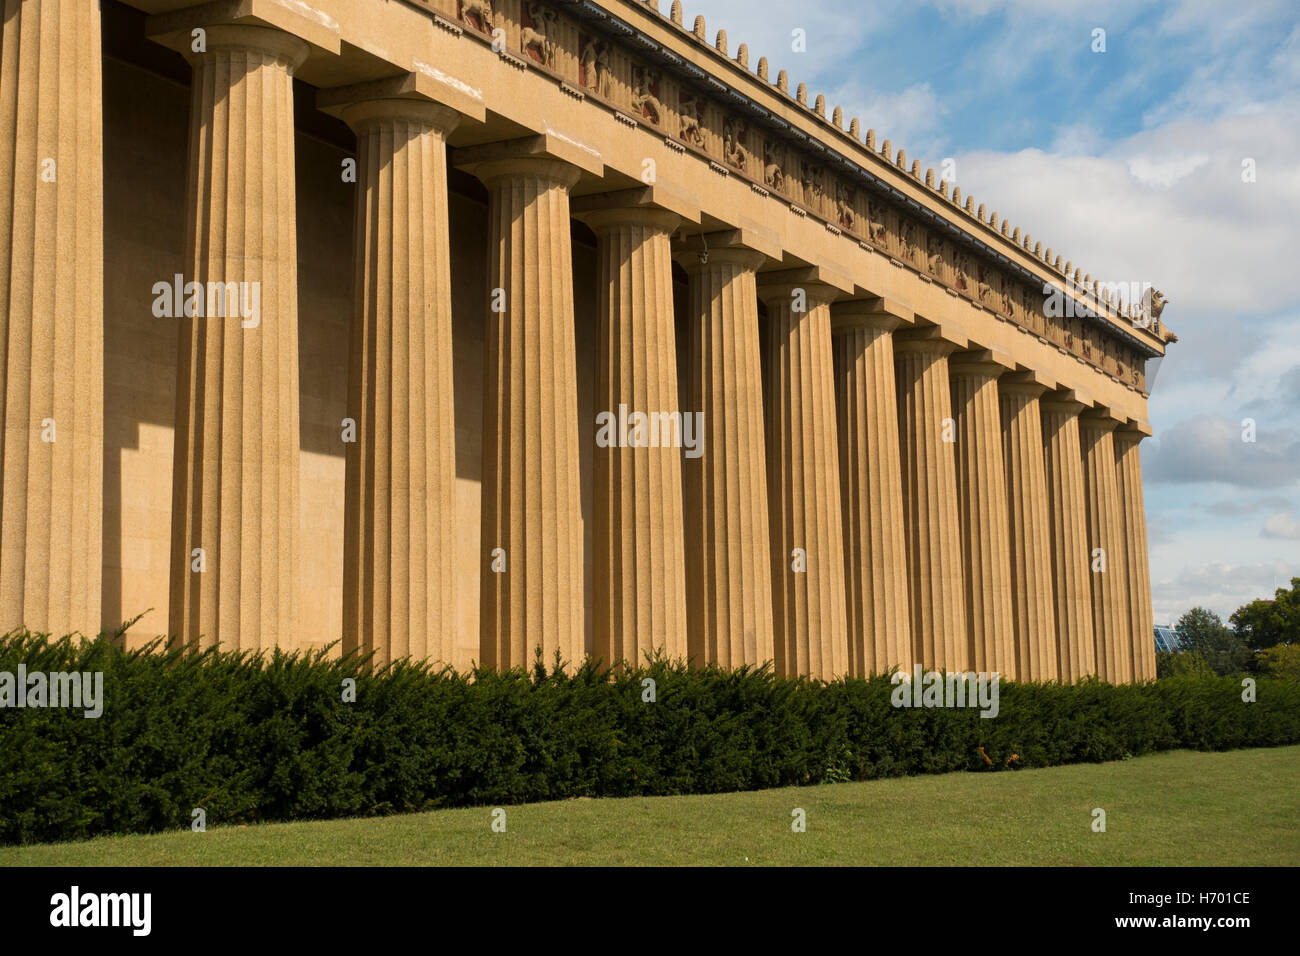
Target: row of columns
{"points": [[866, 500]]}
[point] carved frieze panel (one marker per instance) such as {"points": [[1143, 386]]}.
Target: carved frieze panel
{"points": [[812, 186], [909, 241], [876, 228], [595, 65], [936, 257], [846, 216], [774, 166], [735, 142], [961, 270], [480, 15], [648, 96], [984, 280], [1007, 298], [538, 33], [693, 120]]}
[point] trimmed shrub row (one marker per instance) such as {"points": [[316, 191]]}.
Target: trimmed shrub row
{"points": [[271, 738]]}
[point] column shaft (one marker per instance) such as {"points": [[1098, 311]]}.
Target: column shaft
{"points": [[880, 635], [640, 575], [1112, 637], [1128, 470], [936, 578], [51, 317], [532, 507], [1033, 606], [1066, 509], [803, 477], [728, 546], [985, 532], [235, 492], [401, 470]]}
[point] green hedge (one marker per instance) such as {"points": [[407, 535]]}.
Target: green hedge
{"points": [[253, 739]]}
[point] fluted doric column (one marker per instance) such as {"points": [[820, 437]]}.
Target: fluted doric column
{"points": [[803, 480], [639, 557], [871, 486], [1032, 604], [1128, 472], [728, 547], [936, 581], [51, 317], [1067, 511], [235, 492], [399, 547], [982, 497], [532, 509], [1112, 639]]}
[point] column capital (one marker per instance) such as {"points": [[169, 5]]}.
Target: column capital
{"points": [[821, 284], [174, 29], [605, 220], [283, 47], [816, 293], [366, 114], [697, 259], [980, 363], [877, 313], [546, 155], [644, 206], [929, 339], [759, 240], [1132, 432], [1031, 382], [1064, 401], [554, 172], [1099, 418], [651, 199], [419, 89]]}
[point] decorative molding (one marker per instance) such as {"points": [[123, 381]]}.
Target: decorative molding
{"points": [[448, 25]]}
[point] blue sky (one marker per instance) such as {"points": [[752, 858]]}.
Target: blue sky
{"points": [[1128, 163]]}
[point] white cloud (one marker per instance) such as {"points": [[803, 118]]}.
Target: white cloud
{"points": [[1215, 585], [1166, 206], [1209, 448], [834, 31], [1284, 524], [1076, 139], [1032, 8], [1236, 507], [911, 118], [1165, 171]]}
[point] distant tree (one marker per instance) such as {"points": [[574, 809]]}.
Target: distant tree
{"points": [[1181, 664], [1203, 632], [1266, 623], [1281, 661]]}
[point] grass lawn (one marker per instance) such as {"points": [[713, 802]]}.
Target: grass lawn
{"points": [[1181, 808]]}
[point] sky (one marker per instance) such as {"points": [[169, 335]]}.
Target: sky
{"points": [[1132, 163]]}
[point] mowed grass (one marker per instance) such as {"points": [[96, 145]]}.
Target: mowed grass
{"points": [[1180, 808]]}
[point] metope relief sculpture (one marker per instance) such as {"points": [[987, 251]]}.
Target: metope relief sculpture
{"points": [[647, 102], [537, 33], [734, 133]]}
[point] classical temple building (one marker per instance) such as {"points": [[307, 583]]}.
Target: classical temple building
{"points": [[459, 328]]}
